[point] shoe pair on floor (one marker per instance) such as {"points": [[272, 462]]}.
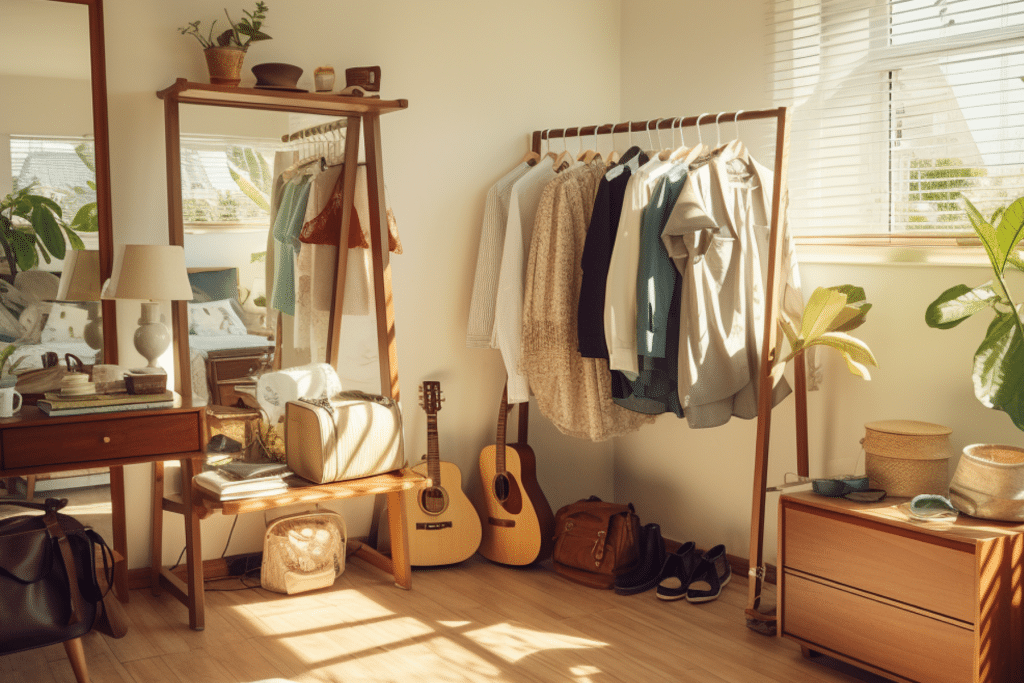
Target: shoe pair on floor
{"points": [[686, 573]]}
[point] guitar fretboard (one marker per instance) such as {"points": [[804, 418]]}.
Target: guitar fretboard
{"points": [[433, 451]]}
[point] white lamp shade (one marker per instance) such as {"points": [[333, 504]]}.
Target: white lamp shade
{"points": [[80, 277], [151, 271]]}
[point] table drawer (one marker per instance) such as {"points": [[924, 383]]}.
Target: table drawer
{"points": [[101, 440], [236, 368], [906, 643], [909, 568]]}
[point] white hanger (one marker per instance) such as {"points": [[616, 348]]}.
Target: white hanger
{"points": [[613, 156], [687, 156]]}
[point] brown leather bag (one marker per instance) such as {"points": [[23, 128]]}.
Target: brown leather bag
{"points": [[595, 541]]}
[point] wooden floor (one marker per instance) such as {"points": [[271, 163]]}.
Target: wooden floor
{"points": [[473, 622]]}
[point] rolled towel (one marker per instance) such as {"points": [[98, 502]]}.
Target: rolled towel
{"points": [[275, 389]]}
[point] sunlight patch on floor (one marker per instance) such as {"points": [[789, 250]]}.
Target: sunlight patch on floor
{"points": [[513, 643], [320, 645]]}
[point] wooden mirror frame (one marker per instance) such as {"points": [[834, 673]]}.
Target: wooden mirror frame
{"points": [[101, 143]]}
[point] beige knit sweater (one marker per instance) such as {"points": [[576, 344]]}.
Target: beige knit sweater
{"points": [[573, 392]]}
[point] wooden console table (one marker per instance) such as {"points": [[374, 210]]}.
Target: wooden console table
{"points": [[32, 442], [911, 602], [201, 504]]}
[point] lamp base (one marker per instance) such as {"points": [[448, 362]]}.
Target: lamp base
{"points": [[152, 338]]}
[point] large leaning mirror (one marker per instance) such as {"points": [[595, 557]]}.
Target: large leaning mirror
{"points": [[55, 229]]}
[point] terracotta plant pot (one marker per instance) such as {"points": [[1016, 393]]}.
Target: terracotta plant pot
{"points": [[225, 65]]}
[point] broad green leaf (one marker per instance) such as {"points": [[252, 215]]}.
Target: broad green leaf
{"points": [[854, 294], [1016, 260], [86, 219], [851, 317], [258, 257], [957, 304], [988, 235], [24, 247], [848, 345], [821, 309], [996, 215], [74, 240], [1010, 231], [999, 368], [39, 200], [48, 232], [250, 190]]}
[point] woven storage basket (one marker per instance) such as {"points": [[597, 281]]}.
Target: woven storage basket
{"points": [[989, 482], [907, 458]]}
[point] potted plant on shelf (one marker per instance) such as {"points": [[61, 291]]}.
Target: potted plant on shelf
{"points": [[225, 52], [7, 367], [989, 479]]}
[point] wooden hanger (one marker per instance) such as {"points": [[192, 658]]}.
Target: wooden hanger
{"points": [[591, 154], [530, 158], [565, 158]]}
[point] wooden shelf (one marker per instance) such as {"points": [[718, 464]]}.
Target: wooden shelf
{"points": [[187, 92], [389, 482]]}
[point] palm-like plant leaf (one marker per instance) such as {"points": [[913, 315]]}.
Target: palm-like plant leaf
{"points": [[999, 368], [959, 303]]}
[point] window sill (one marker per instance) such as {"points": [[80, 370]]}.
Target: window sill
{"points": [[873, 250]]}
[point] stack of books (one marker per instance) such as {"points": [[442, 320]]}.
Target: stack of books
{"points": [[237, 480], [55, 403]]}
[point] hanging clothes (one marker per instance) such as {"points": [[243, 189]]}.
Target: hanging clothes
{"points": [[717, 236], [597, 254], [658, 288], [287, 224], [508, 311], [572, 391], [480, 329]]}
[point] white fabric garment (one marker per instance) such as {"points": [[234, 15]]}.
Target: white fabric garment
{"points": [[480, 329], [620, 285], [508, 312], [717, 235]]}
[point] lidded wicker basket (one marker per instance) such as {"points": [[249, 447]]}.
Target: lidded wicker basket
{"points": [[907, 458]]}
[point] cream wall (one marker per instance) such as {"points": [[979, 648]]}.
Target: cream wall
{"points": [[697, 483], [479, 77]]}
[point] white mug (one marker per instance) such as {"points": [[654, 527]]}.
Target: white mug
{"points": [[10, 401]]}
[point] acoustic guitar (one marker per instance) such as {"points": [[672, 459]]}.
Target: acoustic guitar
{"points": [[518, 525], [443, 525]]}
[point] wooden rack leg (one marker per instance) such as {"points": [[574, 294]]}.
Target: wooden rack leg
{"points": [[776, 248], [399, 540]]}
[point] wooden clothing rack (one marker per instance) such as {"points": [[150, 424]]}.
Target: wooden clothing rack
{"points": [[771, 318]]}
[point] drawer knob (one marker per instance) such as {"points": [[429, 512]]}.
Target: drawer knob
{"points": [[106, 439]]}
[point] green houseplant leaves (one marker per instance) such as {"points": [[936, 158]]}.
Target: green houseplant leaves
{"points": [[998, 372], [829, 315], [32, 229]]}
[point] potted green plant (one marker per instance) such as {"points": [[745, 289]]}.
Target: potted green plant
{"points": [[989, 478], [32, 228], [999, 361], [225, 52]]}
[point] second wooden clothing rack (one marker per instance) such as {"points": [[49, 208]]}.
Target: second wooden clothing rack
{"points": [[771, 317]]}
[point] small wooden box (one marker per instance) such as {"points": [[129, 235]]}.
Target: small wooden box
{"points": [[239, 424], [145, 383]]}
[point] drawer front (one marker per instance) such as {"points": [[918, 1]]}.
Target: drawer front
{"points": [[906, 643], [120, 438], [227, 395], [911, 569], [236, 368]]}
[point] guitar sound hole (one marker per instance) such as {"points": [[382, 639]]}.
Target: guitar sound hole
{"points": [[502, 487], [434, 500]]}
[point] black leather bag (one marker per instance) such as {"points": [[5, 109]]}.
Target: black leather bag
{"points": [[49, 592]]}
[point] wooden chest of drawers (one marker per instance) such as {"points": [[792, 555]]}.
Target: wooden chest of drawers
{"points": [[909, 602]]}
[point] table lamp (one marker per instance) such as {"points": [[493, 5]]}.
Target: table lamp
{"points": [[80, 281], [153, 273]]}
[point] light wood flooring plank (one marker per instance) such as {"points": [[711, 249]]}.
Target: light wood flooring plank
{"points": [[477, 622]]}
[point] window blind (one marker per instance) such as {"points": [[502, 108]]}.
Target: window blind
{"points": [[900, 107], [226, 180]]}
